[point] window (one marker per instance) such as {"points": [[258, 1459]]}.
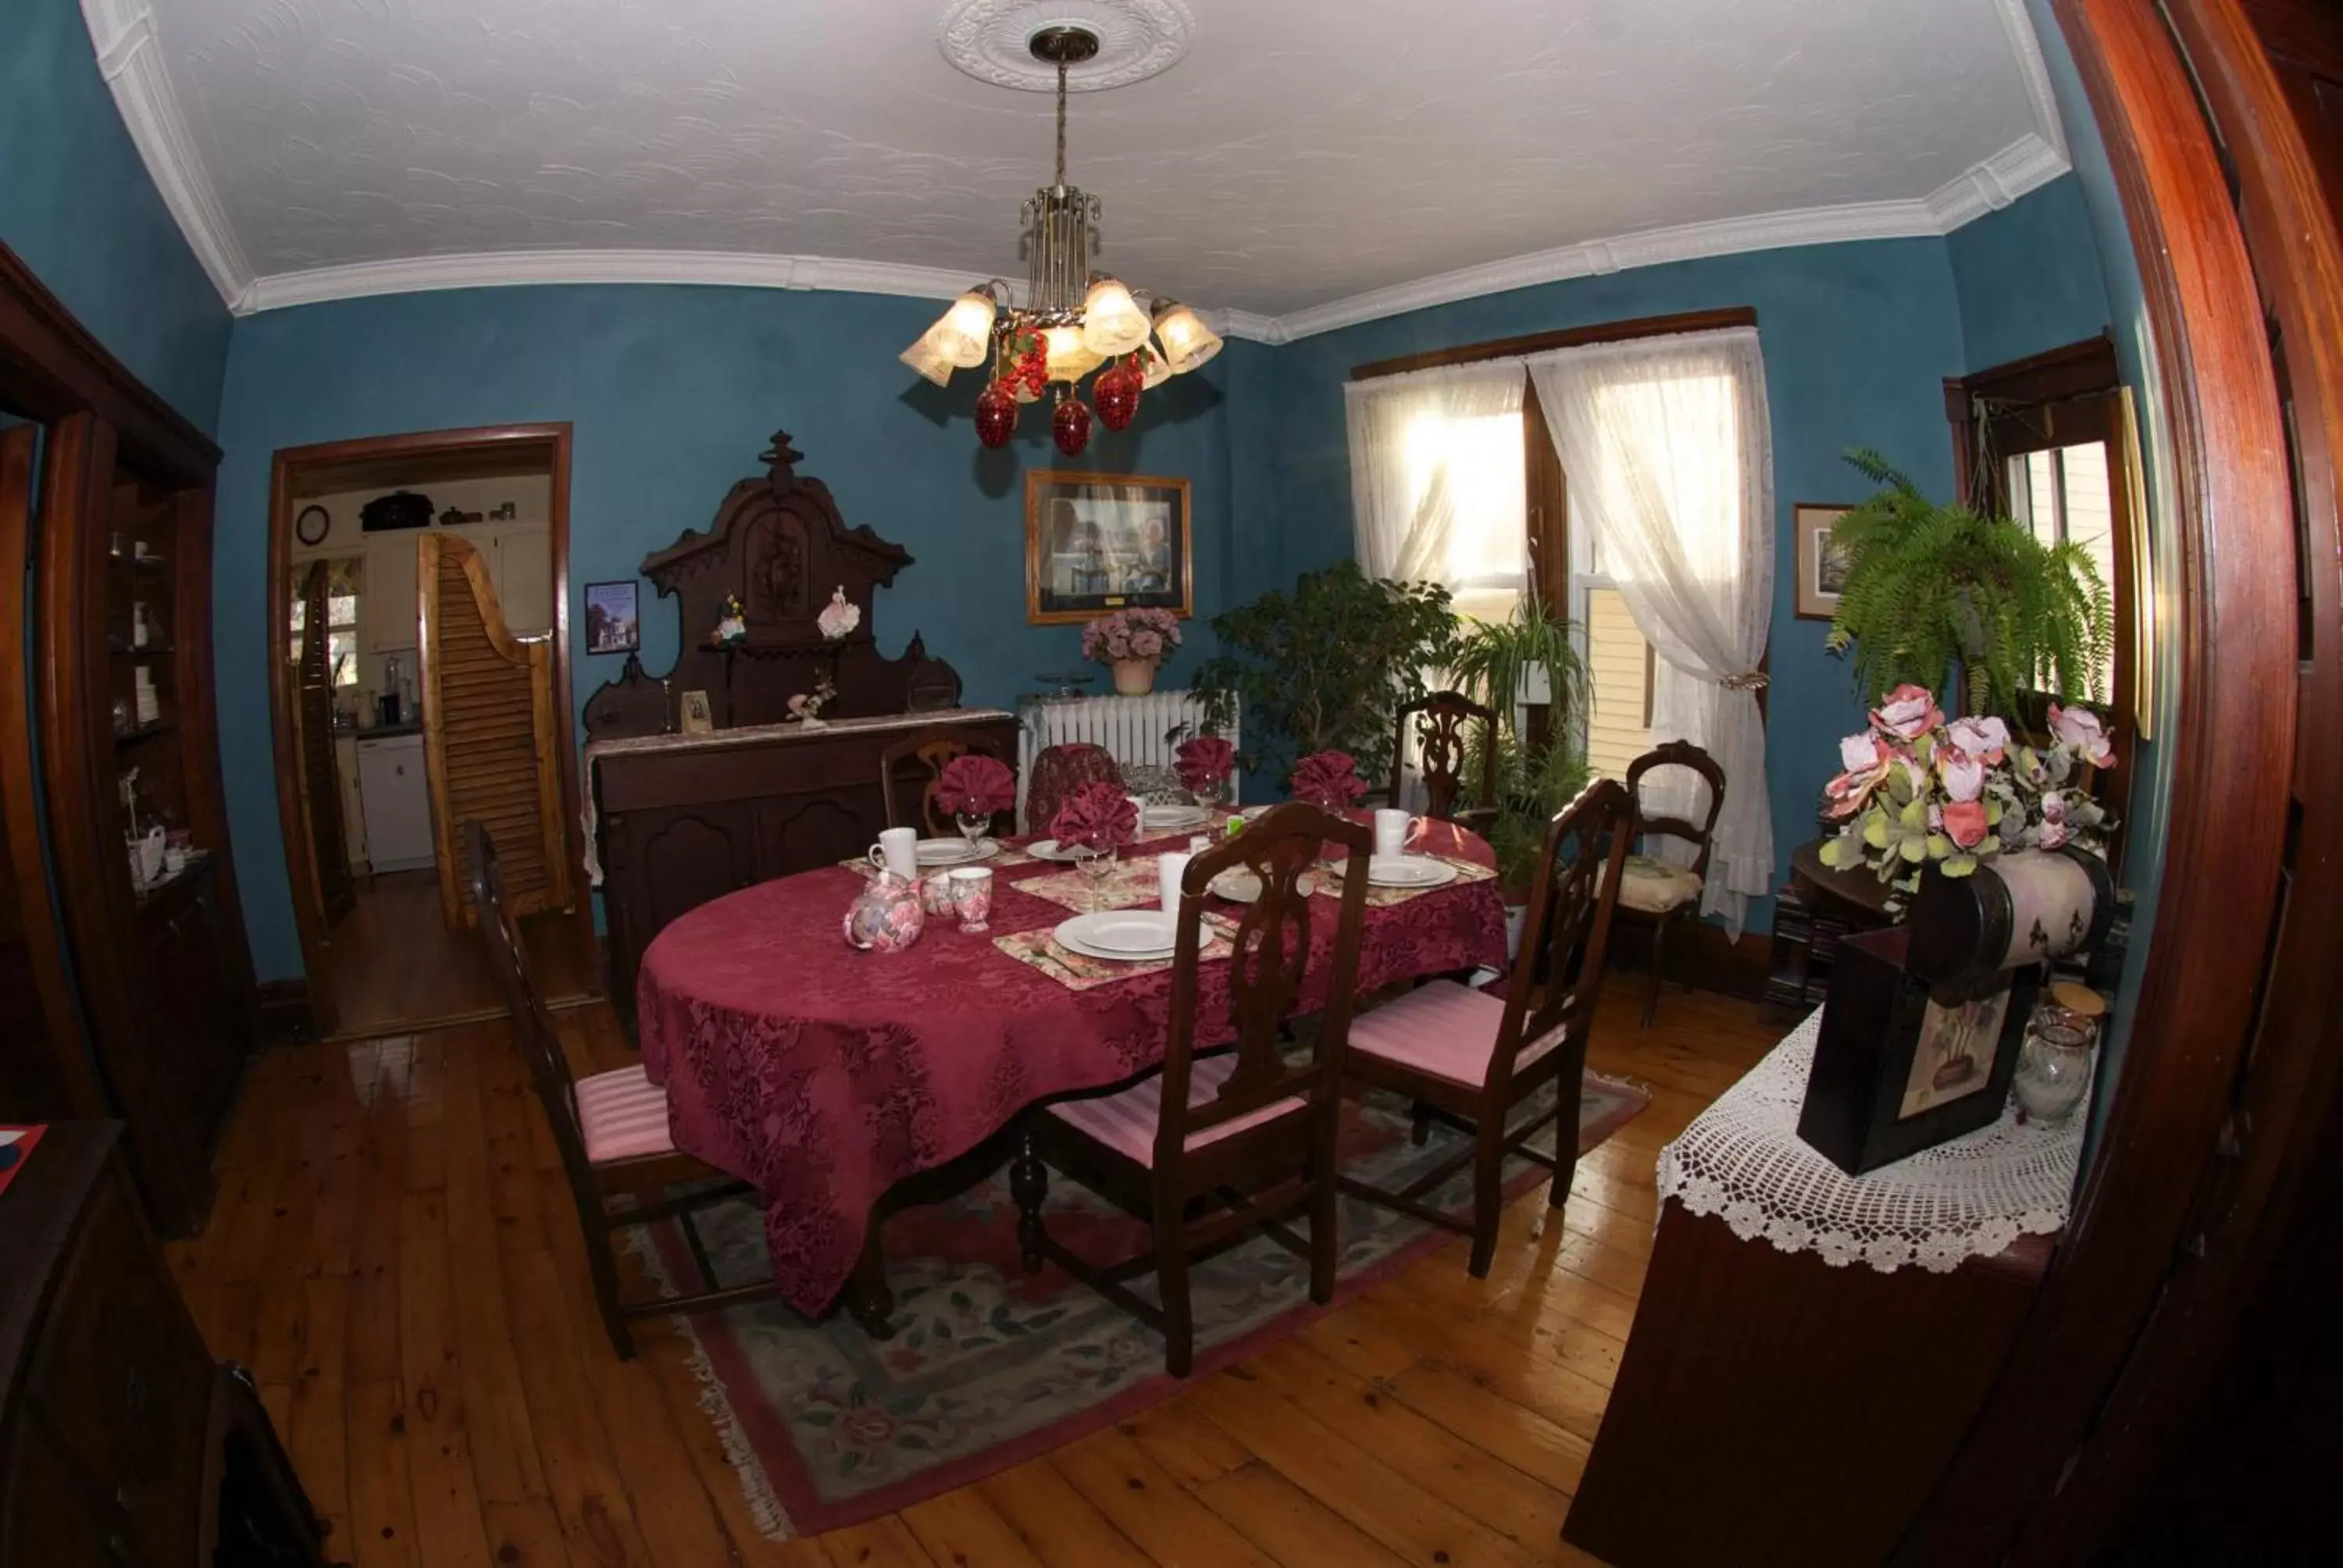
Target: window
{"points": [[345, 580], [2063, 494], [1478, 458]]}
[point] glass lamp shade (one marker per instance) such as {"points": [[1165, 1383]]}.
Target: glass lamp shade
{"points": [[1113, 321], [1159, 368], [1187, 341], [964, 333], [1071, 359], [931, 361]]}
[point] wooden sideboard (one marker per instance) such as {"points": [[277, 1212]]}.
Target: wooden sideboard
{"points": [[121, 1440], [683, 819]]}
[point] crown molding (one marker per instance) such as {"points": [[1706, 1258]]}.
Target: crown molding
{"points": [[122, 31], [2018, 26], [2025, 164]]}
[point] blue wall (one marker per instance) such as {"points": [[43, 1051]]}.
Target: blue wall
{"points": [[76, 204], [2028, 276], [673, 392], [1857, 340]]}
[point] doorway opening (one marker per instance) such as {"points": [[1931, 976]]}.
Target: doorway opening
{"points": [[382, 749]]}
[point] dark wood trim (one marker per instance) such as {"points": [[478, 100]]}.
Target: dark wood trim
{"points": [[286, 1014], [287, 470], [53, 368], [1563, 337], [2033, 1472]]}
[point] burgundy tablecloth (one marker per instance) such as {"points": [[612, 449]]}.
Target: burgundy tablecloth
{"points": [[825, 1076]]}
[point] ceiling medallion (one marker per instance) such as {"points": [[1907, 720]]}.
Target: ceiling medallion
{"points": [[991, 40], [1073, 320]]}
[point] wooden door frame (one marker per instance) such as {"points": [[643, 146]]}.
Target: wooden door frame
{"points": [[284, 470]]}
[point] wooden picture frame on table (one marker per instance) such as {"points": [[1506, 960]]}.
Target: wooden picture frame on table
{"points": [[1822, 569], [697, 716], [1101, 542]]}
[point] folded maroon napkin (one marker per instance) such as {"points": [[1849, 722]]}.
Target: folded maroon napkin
{"points": [[975, 785], [1204, 760], [1097, 816], [1328, 778]]}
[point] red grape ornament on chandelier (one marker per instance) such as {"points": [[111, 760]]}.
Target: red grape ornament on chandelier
{"points": [[1073, 320]]}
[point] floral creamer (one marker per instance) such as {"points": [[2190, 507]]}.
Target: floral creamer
{"points": [[886, 917]]}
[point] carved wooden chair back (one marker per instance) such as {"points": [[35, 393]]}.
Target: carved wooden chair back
{"points": [[1058, 773], [549, 1066], [1700, 834], [1266, 973], [1567, 933], [920, 760], [1437, 722]]}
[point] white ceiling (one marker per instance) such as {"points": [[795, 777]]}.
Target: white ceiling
{"points": [[1307, 163]]}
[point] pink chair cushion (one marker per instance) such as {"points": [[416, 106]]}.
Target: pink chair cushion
{"points": [[622, 1115], [1442, 1029], [1126, 1122]]}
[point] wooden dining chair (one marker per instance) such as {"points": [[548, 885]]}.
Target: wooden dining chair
{"points": [[1437, 722], [611, 1131], [1469, 1060], [1060, 770], [1655, 892], [918, 762], [1209, 1149]]}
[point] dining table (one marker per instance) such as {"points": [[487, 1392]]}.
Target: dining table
{"points": [[827, 1077]]}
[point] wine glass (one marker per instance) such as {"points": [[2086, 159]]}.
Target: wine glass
{"points": [[972, 825], [1211, 794], [1096, 863]]}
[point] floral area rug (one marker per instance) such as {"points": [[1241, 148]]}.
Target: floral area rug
{"points": [[828, 1427]]}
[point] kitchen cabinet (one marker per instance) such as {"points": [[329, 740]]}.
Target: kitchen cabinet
{"points": [[519, 558], [388, 607], [397, 804]]}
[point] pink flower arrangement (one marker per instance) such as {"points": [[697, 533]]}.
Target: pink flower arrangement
{"points": [[1206, 760], [1130, 634], [975, 785], [1914, 791], [1097, 815], [1328, 778]]}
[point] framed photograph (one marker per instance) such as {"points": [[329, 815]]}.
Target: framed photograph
{"points": [[1898, 1068], [699, 718], [1822, 567], [1099, 542], [611, 625]]}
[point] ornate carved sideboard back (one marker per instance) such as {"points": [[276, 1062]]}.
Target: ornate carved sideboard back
{"points": [[679, 819]]}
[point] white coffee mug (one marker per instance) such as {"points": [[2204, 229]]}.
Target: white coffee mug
{"points": [[898, 850], [1139, 805], [1169, 866], [1391, 833]]}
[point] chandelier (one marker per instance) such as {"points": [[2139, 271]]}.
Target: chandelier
{"points": [[1073, 321]]}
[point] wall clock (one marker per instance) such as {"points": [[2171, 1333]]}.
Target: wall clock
{"points": [[313, 525]]}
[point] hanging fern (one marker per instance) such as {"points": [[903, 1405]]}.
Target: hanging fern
{"points": [[1930, 587]]}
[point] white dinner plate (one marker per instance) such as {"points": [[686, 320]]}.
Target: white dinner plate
{"points": [[1239, 885], [1131, 935], [1410, 872], [1050, 849], [955, 851]]}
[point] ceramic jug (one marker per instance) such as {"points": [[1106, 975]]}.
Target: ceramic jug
{"points": [[886, 917]]}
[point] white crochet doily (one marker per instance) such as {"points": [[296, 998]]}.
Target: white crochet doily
{"points": [[1742, 1160]]}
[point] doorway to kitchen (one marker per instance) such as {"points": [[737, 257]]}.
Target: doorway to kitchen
{"points": [[379, 757]]}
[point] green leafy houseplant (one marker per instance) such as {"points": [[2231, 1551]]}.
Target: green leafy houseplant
{"points": [[1929, 587], [1327, 667], [1534, 780]]}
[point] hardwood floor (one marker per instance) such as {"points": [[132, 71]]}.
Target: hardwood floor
{"points": [[394, 966], [394, 1255]]}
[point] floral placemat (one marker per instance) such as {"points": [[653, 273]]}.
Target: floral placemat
{"points": [[1079, 972], [1010, 855], [1132, 881], [1467, 872]]}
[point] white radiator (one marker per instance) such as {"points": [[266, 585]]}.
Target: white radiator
{"points": [[1144, 730]]}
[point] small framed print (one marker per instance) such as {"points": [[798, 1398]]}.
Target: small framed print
{"points": [[611, 623], [1822, 565], [699, 718], [1101, 542]]}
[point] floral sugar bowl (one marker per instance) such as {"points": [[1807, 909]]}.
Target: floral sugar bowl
{"points": [[886, 916]]}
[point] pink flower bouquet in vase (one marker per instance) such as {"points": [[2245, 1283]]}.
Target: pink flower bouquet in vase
{"points": [[1133, 643], [1916, 791], [975, 788], [1206, 766]]}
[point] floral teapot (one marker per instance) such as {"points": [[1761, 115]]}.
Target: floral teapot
{"points": [[886, 916]]}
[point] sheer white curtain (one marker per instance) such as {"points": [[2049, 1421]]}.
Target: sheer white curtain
{"points": [[1424, 498], [1669, 449]]}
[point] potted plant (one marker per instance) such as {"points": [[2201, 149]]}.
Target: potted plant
{"points": [[1133, 643], [1326, 667], [1934, 588], [1534, 782]]}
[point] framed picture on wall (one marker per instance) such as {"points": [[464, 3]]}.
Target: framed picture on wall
{"points": [[1099, 542], [611, 623], [1822, 567]]}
